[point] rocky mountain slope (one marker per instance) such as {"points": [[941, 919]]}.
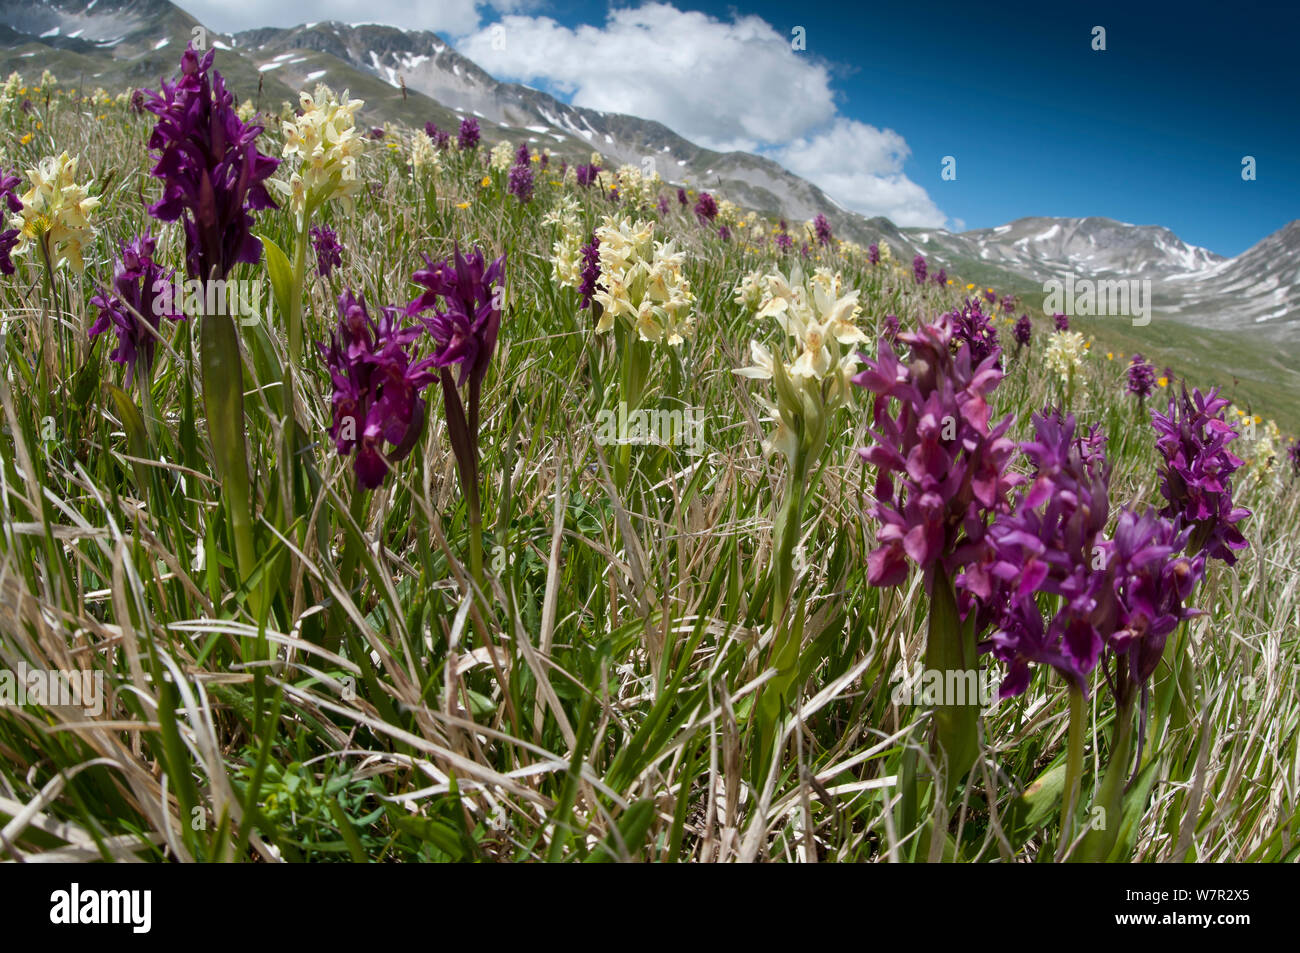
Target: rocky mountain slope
{"points": [[416, 76]]}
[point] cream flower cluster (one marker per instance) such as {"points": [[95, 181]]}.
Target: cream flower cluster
{"points": [[566, 252], [56, 212], [636, 188], [749, 290], [325, 139], [9, 92], [729, 214], [641, 281], [1066, 351], [424, 159], [502, 157], [817, 317]]}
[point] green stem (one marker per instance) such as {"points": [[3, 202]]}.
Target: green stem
{"points": [[475, 536], [950, 651], [146, 400], [789, 526], [1099, 842], [352, 546], [1073, 768], [223, 404], [294, 317], [787, 633]]}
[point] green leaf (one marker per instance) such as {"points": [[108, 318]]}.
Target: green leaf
{"points": [[950, 648], [632, 829], [280, 272], [1037, 805]]}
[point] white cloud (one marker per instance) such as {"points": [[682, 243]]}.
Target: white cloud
{"points": [[727, 85], [861, 166]]}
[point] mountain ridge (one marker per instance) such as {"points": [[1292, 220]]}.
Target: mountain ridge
{"points": [[412, 76]]}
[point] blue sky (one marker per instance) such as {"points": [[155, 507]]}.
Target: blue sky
{"points": [[1151, 131]]}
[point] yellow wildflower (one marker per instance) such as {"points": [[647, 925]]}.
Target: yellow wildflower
{"points": [[327, 143], [56, 212]]}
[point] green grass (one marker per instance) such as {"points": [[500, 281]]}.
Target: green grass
{"points": [[596, 703]]}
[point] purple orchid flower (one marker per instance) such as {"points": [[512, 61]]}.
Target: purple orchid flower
{"points": [[211, 169], [1195, 479], [822, 229], [141, 294], [377, 385], [329, 253]]}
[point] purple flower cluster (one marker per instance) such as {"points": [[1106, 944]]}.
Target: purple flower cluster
{"points": [[724, 233], [873, 253], [941, 470], [1022, 331], [1122, 596], [141, 294], [1060, 322], [329, 253], [1047, 543], [784, 241], [990, 296], [586, 174], [919, 269], [1149, 582], [377, 384], [8, 237], [681, 197], [465, 327], [891, 327], [441, 138], [590, 270], [1195, 479], [468, 137], [1293, 454], [520, 183], [376, 133], [663, 205], [211, 170], [822, 229], [1141, 377], [1009, 303], [941, 278], [706, 209], [970, 326]]}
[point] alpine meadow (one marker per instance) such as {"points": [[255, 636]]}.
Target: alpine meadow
{"points": [[402, 491]]}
